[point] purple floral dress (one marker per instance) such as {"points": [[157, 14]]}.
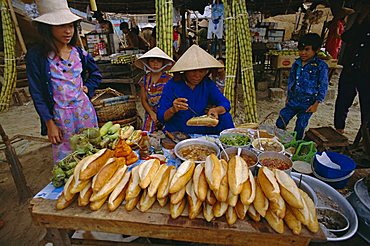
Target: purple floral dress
{"points": [[72, 109]]}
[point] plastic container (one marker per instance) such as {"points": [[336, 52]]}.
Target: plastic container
{"points": [[338, 183], [347, 166]]}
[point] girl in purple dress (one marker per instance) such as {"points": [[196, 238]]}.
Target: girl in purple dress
{"points": [[62, 77]]}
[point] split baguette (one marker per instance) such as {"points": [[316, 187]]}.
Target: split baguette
{"points": [[223, 192], [208, 211], [182, 176], [313, 223], [213, 171], [237, 173], [219, 208], [110, 185], [200, 182], [84, 195], [92, 164], [79, 185], [162, 171], [68, 195], [119, 192], [288, 189], [260, 202], [104, 174], [302, 214], [203, 120], [292, 222], [211, 198], [278, 208], [231, 216], [147, 171], [232, 199], [164, 186], [62, 203], [146, 202], [98, 204], [253, 214], [133, 189], [248, 192], [275, 222], [241, 210], [268, 183], [194, 204], [178, 196], [162, 201], [131, 204], [177, 209]]}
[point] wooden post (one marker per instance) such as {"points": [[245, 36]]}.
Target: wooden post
{"points": [[17, 29], [24, 191]]}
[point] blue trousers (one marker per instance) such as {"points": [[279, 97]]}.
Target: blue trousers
{"points": [[292, 108]]}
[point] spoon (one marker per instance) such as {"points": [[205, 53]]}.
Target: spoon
{"points": [[259, 140], [222, 148], [239, 151]]}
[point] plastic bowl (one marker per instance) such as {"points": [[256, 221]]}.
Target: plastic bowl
{"points": [[338, 183], [347, 166], [245, 154]]}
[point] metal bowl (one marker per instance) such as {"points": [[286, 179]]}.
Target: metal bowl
{"points": [[189, 142], [276, 155], [255, 145], [233, 134], [326, 215]]}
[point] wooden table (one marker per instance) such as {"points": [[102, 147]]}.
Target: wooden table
{"points": [[156, 223]]}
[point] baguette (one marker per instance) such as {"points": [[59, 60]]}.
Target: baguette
{"points": [[232, 199], [62, 203], [104, 174], [275, 222], [231, 216], [302, 214], [278, 208], [241, 209], [182, 176], [292, 222], [200, 182], [146, 202], [133, 189], [178, 196], [164, 186], [203, 120], [208, 211], [237, 173], [84, 196], [131, 204], [110, 185], [223, 191], [253, 214], [313, 223], [260, 202], [98, 204], [162, 171], [219, 209], [194, 204], [211, 198], [248, 192], [268, 183], [78, 184], [162, 201], [213, 171], [92, 164], [288, 189], [147, 171], [119, 192], [68, 195], [177, 209]]}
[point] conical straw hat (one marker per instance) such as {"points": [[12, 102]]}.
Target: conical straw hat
{"points": [[55, 12], [153, 53], [203, 23], [195, 58]]}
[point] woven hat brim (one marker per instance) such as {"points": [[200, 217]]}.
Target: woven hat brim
{"points": [[58, 17], [195, 58], [153, 53]]}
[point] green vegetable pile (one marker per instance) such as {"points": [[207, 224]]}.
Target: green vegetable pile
{"points": [[235, 139], [64, 169]]}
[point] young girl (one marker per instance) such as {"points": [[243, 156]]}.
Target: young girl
{"points": [[56, 70], [155, 63]]}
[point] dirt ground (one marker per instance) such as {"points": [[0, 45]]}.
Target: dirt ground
{"points": [[37, 162]]}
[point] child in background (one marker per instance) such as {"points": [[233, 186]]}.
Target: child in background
{"points": [[58, 83], [155, 63], [218, 76], [307, 85]]}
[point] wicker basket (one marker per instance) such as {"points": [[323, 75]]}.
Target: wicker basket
{"points": [[117, 110]]}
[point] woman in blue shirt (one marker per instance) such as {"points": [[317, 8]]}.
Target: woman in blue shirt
{"points": [[192, 90]]}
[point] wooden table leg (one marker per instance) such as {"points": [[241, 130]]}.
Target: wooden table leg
{"points": [[58, 237]]}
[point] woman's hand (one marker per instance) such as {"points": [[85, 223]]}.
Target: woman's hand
{"points": [[213, 112], [55, 135], [153, 115], [313, 108], [180, 104]]}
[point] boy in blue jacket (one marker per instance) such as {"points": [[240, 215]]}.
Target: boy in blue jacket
{"points": [[307, 85]]}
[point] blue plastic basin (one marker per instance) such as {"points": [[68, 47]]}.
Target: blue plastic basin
{"points": [[347, 166]]}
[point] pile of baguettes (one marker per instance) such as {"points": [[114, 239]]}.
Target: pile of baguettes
{"points": [[216, 187]]}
